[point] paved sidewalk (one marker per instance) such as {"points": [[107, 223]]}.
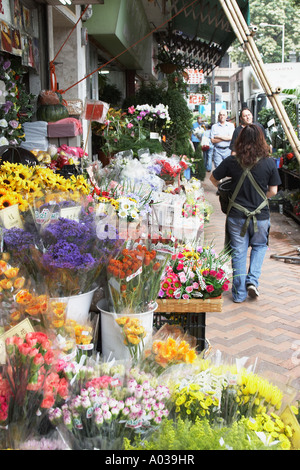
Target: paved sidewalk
{"points": [[268, 328]]}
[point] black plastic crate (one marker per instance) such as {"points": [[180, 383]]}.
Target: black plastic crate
{"points": [[191, 323]]}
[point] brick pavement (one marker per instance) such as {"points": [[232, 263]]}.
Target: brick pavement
{"points": [[266, 329]]}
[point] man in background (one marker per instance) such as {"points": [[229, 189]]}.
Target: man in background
{"points": [[246, 117], [221, 135], [197, 132]]}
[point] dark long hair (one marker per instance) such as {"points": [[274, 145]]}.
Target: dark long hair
{"points": [[251, 145]]}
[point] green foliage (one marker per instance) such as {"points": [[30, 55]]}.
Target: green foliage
{"points": [[125, 142], [185, 435], [199, 164], [179, 130], [278, 137], [111, 94], [180, 115], [269, 39], [152, 94]]}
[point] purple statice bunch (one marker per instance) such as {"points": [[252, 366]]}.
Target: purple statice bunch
{"points": [[17, 239], [79, 233], [65, 255]]}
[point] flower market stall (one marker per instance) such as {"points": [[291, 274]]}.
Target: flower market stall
{"points": [[105, 284]]}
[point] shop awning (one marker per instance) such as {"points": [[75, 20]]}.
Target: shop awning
{"points": [[198, 34], [194, 33]]}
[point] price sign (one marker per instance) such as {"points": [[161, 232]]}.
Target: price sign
{"points": [[195, 76], [197, 99]]}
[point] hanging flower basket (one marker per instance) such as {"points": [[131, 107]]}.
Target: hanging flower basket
{"points": [[168, 67]]}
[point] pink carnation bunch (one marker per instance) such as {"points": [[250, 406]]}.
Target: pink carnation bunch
{"points": [[29, 381]]}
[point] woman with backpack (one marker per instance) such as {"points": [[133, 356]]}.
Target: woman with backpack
{"points": [[254, 179]]}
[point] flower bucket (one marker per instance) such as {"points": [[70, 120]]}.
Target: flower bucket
{"points": [[78, 306], [112, 338]]}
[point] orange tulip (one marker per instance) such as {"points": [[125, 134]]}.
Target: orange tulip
{"points": [[24, 297], [19, 283], [6, 284], [3, 266], [11, 272]]}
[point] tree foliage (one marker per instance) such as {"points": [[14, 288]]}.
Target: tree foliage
{"points": [[269, 39]]}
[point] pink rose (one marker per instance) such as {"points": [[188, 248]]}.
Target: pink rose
{"points": [[195, 285], [189, 289], [210, 288], [185, 296]]}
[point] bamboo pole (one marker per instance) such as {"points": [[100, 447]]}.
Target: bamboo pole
{"points": [[246, 40], [253, 53], [274, 98]]}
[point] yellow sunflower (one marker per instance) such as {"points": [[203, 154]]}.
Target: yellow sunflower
{"points": [[7, 181], [21, 175], [23, 204], [7, 201], [3, 192]]}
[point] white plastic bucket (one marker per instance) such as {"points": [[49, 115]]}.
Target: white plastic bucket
{"points": [[78, 306], [112, 339]]}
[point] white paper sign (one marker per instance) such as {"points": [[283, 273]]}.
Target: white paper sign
{"points": [[10, 217]]}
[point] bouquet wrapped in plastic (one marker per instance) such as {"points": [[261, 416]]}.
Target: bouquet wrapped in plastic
{"points": [[134, 277], [29, 385], [21, 296], [105, 411], [170, 345], [73, 245], [223, 391], [171, 167], [197, 272]]}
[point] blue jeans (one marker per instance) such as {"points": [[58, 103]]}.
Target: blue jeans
{"points": [[207, 155], [258, 241]]}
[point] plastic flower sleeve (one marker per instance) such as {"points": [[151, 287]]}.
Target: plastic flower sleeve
{"points": [[73, 251], [170, 345], [133, 278], [32, 384], [105, 411]]}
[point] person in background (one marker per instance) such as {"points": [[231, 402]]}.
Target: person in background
{"points": [[197, 132], [246, 117], [221, 134], [248, 219], [207, 148]]}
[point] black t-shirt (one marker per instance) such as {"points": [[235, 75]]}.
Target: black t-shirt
{"points": [[238, 130], [265, 174]]}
